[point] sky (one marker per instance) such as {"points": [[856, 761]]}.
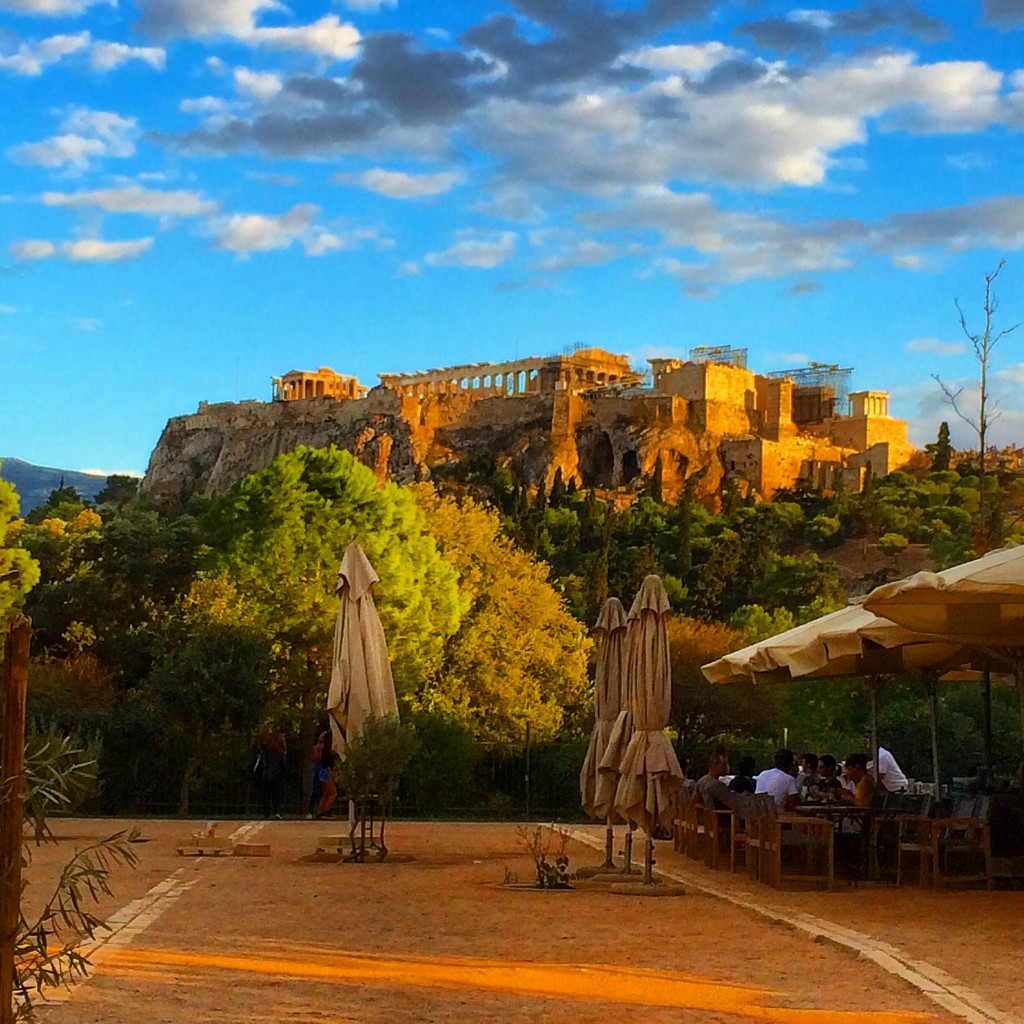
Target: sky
{"points": [[198, 195]]}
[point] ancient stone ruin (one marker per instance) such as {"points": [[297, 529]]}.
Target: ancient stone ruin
{"points": [[588, 413]]}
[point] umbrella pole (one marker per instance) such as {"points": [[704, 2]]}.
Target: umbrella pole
{"points": [[1018, 678], [649, 860], [933, 707], [986, 711], [627, 852], [873, 686], [609, 842]]}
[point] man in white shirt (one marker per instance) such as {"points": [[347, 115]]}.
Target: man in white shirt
{"points": [[779, 781], [890, 774]]}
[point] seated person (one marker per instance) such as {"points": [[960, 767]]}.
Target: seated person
{"points": [[829, 783], [743, 780], [808, 774], [856, 769], [711, 787], [779, 781]]}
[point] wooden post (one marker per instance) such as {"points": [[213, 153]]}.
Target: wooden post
{"points": [[12, 758], [932, 684], [986, 711], [874, 684]]}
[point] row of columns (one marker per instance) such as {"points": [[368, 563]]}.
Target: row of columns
{"points": [[509, 379]]}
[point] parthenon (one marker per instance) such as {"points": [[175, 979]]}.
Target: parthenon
{"points": [[583, 370]]}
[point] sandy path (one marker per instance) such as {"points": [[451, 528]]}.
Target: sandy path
{"points": [[431, 935]]}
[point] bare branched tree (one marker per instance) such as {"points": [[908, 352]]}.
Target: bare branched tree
{"points": [[983, 342]]}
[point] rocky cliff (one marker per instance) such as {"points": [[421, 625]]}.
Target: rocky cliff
{"points": [[602, 441]]}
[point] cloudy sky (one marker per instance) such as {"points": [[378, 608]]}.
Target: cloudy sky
{"points": [[197, 195]]}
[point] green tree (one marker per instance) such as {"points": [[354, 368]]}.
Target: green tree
{"points": [[890, 545], [19, 571], [279, 538], [940, 451], [215, 681]]}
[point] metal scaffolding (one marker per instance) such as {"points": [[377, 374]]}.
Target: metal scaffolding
{"points": [[827, 375], [719, 354]]}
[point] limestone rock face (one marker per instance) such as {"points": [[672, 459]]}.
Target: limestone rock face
{"points": [[211, 450], [606, 442]]}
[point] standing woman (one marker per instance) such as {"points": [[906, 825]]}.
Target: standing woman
{"points": [[273, 750], [328, 789]]}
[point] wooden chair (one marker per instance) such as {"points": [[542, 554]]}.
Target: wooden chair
{"points": [[690, 835], [964, 841], [810, 842], [761, 837], [914, 838], [717, 823], [743, 810]]}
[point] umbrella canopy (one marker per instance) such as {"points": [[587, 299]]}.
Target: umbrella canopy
{"points": [[852, 641], [597, 790], [361, 681], [980, 602], [650, 774]]}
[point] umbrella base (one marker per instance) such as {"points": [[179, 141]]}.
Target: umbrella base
{"points": [[592, 870], [654, 888], [614, 876]]}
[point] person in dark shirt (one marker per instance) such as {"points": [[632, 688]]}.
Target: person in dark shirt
{"points": [[743, 780]]}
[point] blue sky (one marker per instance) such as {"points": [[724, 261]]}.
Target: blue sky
{"points": [[196, 195]]}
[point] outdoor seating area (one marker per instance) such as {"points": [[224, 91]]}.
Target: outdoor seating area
{"points": [[900, 838]]}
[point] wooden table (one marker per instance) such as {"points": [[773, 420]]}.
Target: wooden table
{"points": [[834, 813]]}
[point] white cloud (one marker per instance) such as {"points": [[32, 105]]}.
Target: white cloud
{"points": [[325, 242], [584, 253], [84, 250], [57, 151], [7, 310], [51, 8], [32, 57], [244, 233], [88, 323], [203, 105], [368, 6], [327, 37], [399, 185], [108, 56], [410, 268], [170, 19], [133, 199], [32, 250], [475, 249], [935, 347], [688, 59], [86, 134], [259, 85]]}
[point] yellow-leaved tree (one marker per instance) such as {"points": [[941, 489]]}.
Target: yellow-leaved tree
{"points": [[518, 656]]}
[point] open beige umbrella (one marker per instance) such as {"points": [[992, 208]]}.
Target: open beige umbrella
{"points": [[650, 774], [850, 642], [980, 603], [361, 680], [597, 789]]}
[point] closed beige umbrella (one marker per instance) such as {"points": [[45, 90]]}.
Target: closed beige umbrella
{"points": [[610, 631], [361, 680], [650, 774]]}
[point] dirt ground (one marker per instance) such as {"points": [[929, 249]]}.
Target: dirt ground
{"points": [[431, 935]]}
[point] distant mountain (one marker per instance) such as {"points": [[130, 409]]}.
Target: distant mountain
{"points": [[34, 483]]}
